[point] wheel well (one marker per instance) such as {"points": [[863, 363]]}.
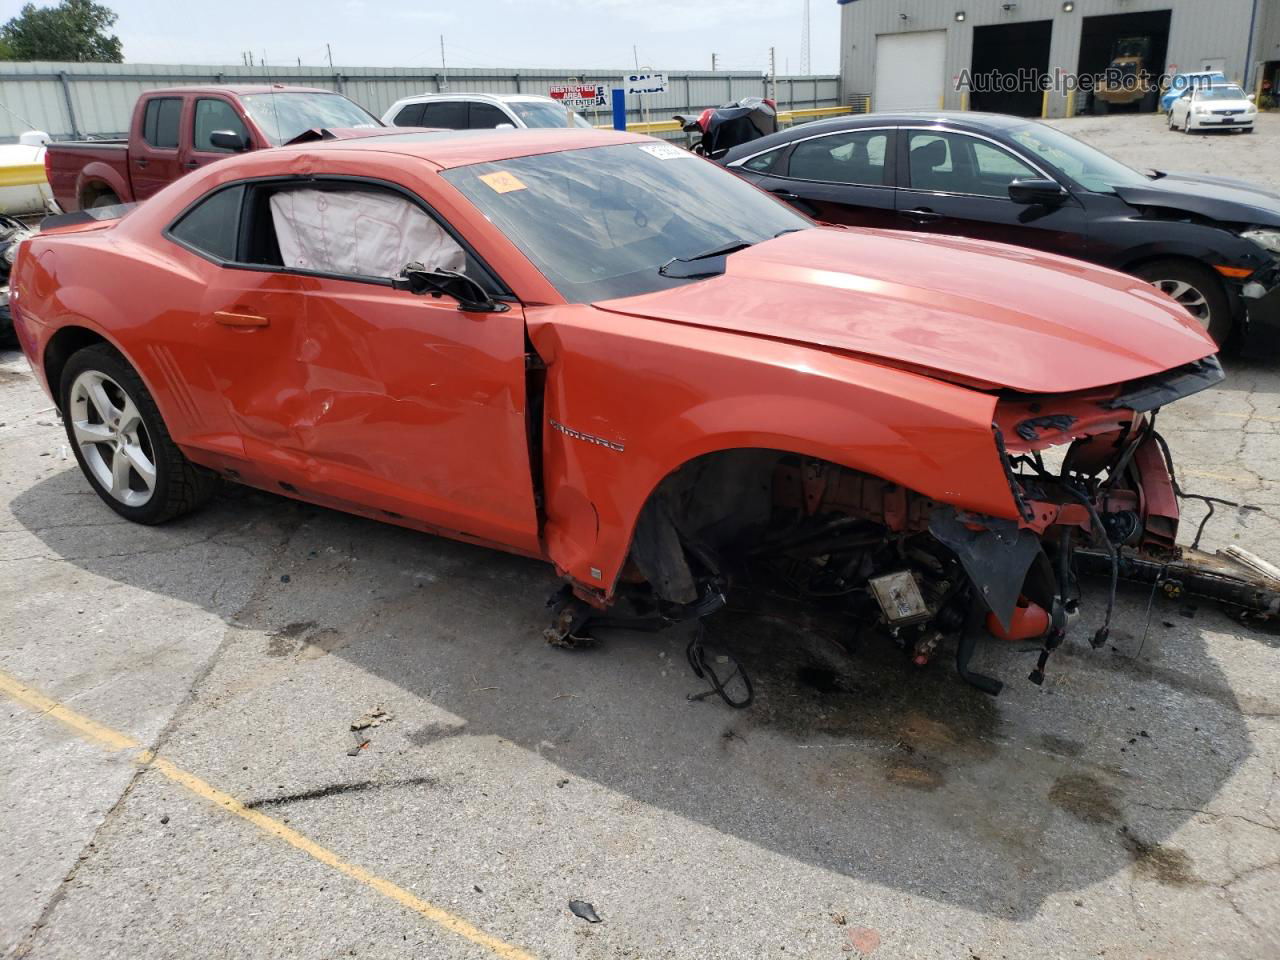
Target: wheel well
{"points": [[706, 514], [1160, 257], [91, 191], [64, 343]]}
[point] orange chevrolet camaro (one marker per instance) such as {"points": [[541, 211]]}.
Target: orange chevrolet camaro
{"points": [[600, 350]]}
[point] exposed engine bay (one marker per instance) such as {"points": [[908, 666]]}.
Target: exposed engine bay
{"points": [[930, 576]]}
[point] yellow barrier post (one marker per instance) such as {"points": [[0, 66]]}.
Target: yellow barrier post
{"points": [[1044, 106]]}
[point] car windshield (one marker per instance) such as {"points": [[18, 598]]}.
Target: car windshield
{"points": [[600, 222], [282, 116], [541, 113], [1220, 93], [1090, 168]]}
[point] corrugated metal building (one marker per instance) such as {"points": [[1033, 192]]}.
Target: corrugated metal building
{"points": [[96, 99], [914, 54]]}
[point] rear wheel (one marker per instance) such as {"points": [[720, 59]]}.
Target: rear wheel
{"points": [[121, 442], [1196, 288]]}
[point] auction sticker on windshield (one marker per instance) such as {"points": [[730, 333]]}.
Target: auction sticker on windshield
{"points": [[502, 182], [664, 151]]}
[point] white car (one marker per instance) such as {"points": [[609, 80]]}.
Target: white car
{"points": [[479, 111], [1213, 108]]}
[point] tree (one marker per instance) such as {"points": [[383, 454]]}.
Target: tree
{"points": [[73, 31]]}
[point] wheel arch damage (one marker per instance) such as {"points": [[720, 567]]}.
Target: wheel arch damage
{"points": [[632, 404]]}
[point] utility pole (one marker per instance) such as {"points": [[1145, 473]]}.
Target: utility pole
{"points": [[804, 42], [329, 53], [444, 69], [713, 63], [773, 74]]}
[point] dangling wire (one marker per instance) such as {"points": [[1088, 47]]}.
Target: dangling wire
{"points": [[697, 657]]}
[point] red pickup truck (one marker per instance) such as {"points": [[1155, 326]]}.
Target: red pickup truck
{"points": [[176, 130]]}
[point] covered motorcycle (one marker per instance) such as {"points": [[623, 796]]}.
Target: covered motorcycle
{"points": [[721, 128]]}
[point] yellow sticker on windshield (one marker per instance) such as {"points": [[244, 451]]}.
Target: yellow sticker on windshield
{"points": [[502, 182]]}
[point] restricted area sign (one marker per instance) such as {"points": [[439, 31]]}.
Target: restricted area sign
{"points": [[580, 96], [642, 83]]}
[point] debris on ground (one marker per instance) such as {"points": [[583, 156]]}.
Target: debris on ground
{"points": [[584, 910], [862, 939], [838, 919], [372, 718]]}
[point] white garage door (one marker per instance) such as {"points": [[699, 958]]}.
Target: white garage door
{"points": [[909, 70]]}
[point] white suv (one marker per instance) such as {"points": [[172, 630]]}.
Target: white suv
{"points": [[478, 111]]}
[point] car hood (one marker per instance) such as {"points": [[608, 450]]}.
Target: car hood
{"points": [[1218, 198], [983, 314]]}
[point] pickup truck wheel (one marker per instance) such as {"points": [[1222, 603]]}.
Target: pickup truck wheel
{"points": [[121, 442], [107, 199], [1198, 291]]}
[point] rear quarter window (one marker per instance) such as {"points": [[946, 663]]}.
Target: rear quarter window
{"points": [[213, 225]]}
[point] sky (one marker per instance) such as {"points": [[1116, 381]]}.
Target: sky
{"points": [[574, 34]]}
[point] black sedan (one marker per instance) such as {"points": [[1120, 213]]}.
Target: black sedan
{"points": [[1211, 243]]}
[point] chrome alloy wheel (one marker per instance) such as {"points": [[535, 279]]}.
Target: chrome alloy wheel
{"points": [[113, 439], [1191, 299]]}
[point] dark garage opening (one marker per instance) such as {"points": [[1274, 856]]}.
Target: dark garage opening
{"points": [[1009, 48], [1102, 36]]}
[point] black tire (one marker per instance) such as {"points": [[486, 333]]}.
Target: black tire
{"points": [[8, 336], [107, 199], [180, 486], [1207, 300]]}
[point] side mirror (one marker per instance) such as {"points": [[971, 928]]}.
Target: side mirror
{"points": [[505, 126], [1047, 192], [229, 140], [471, 297], [1252, 97]]}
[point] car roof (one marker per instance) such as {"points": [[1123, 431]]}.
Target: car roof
{"points": [[459, 148], [960, 119], [469, 95], [238, 89]]}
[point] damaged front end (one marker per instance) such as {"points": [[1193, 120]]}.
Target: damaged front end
{"points": [[1094, 489]]}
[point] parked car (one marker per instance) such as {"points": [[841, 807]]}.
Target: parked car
{"points": [[479, 111], [597, 349], [1211, 243], [177, 130], [12, 233], [1179, 83], [1213, 108]]}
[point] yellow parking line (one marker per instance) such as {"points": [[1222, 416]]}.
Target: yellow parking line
{"points": [[113, 740]]}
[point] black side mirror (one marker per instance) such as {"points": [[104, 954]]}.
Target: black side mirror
{"points": [[1047, 192], [471, 297], [229, 140]]}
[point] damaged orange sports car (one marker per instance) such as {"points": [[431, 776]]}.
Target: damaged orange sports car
{"points": [[600, 350]]}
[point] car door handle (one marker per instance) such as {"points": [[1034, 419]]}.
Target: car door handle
{"points": [[922, 215], [228, 319], [141, 161], [191, 164]]}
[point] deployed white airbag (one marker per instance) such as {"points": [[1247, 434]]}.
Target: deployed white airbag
{"points": [[359, 232]]}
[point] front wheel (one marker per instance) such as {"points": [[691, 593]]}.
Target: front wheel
{"points": [[1197, 289], [121, 442]]}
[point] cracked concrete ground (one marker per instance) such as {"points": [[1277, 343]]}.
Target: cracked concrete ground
{"points": [[1129, 808]]}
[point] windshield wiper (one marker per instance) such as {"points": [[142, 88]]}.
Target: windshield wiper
{"points": [[671, 268], [733, 246]]}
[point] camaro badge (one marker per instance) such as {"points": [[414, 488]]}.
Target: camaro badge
{"points": [[579, 435]]}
